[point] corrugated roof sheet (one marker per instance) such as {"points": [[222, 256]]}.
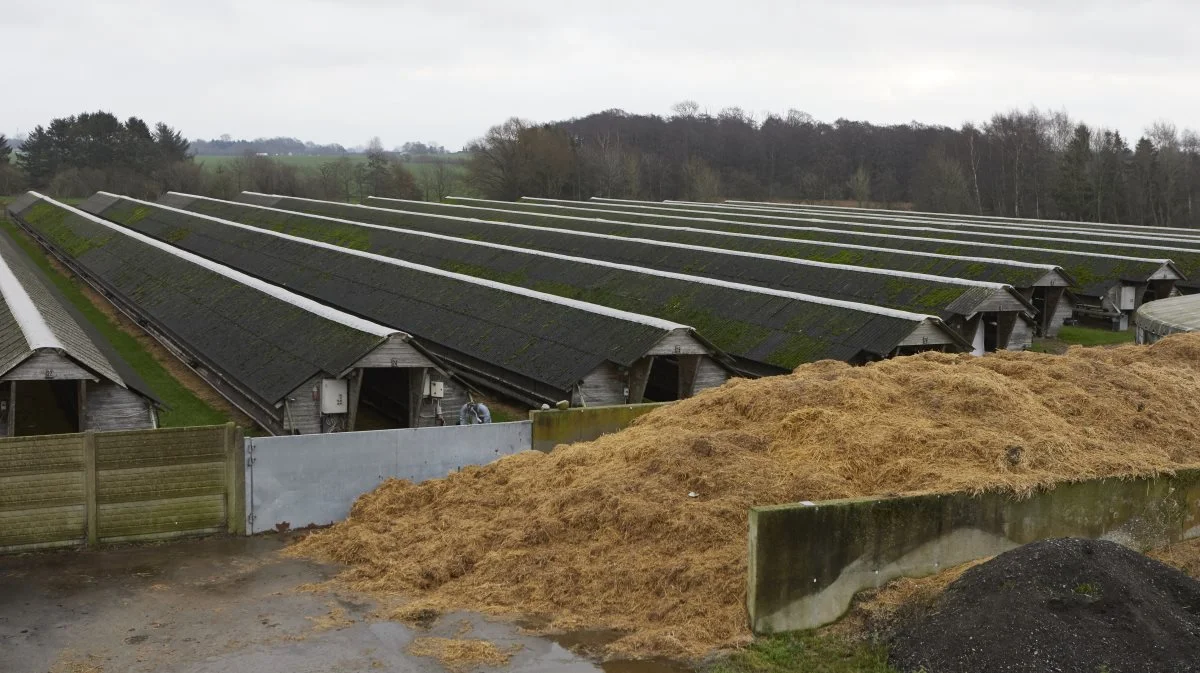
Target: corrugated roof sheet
{"points": [[1094, 273], [769, 326], [268, 345], [900, 290], [1169, 316], [38, 316], [541, 343]]}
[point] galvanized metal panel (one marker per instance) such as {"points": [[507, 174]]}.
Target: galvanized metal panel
{"points": [[314, 479]]}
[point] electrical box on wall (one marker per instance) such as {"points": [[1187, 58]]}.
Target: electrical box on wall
{"points": [[334, 396], [437, 389]]}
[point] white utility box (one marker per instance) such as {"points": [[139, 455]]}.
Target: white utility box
{"points": [[334, 396], [437, 389]]}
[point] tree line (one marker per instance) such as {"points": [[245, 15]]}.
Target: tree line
{"points": [[1022, 163]]}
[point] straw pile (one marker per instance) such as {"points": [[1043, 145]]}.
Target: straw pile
{"points": [[604, 534]]}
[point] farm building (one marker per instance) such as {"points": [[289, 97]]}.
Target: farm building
{"points": [[988, 314], [291, 364], [821, 218], [766, 331], [1109, 286], [1164, 317], [527, 345], [965, 217], [1185, 256], [1043, 285], [57, 374]]}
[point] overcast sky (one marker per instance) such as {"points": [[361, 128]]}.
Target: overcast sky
{"points": [[345, 70]]}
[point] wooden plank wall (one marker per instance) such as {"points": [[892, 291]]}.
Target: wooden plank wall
{"points": [[64, 490]]}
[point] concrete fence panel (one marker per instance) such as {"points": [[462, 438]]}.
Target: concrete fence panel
{"points": [[43, 492], [303, 480], [581, 424], [66, 490], [808, 560]]}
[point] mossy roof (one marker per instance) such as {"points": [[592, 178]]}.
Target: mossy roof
{"points": [[270, 347]]}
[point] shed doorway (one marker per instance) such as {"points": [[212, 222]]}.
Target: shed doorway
{"points": [[385, 399], [46, 408]]}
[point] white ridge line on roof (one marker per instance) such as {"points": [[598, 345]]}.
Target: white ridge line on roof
{"points": [[913, 253], [936, 223], [950, 280], [512, 289], [853, 232], [724, 217], [33, 324], [798, 296], [304, 303]]}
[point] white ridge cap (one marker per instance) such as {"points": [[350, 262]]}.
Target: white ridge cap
{"points": [[853, 232], [512, 289], [949, 280], [33, 325], [304, 303], [850, 305]]}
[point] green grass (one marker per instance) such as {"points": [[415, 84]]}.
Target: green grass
{"points": [[185, 408], [1091, 336], [805, 652]]}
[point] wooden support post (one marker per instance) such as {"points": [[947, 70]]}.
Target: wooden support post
{"points": [[689, 365], [639, 376], [1005, 322], [416, 397], [12, 408], [91, 503], [82, 403], [235, 479], [355, 398]]}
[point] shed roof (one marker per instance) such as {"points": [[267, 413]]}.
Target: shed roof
{"points": [[33, 318], [775, 327], [914, 292], [531, 342], [1094, 272], [1008, 272], [267, 339], [1185, 257]]}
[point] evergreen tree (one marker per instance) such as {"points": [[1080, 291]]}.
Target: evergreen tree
{"points": [[1073, 191], [5, 151], [1143, 179]]}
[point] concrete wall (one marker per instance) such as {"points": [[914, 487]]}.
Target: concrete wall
{"points": [[301, 480], [63, 490], [808, 560], [554, 427]]}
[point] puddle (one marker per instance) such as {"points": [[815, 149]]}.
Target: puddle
{"points": [[591, 644]]}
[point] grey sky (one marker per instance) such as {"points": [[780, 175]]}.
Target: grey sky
{"points": [[345, 70]]}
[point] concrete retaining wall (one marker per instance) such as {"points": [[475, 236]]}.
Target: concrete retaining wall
{"points": [[64, 490], [808, 560], [581, 424], [304, 480]]}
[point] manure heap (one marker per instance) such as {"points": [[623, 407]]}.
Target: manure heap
{"points": [[604, 534], [1069, 605]]}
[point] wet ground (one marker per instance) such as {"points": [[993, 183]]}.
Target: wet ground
{"points": [[229, 605]]}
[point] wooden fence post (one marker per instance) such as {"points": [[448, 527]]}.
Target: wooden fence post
{"points": [[89, 487], [235, 479]]}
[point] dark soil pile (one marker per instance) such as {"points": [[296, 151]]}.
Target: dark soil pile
{"points": [[1066, 605]]}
